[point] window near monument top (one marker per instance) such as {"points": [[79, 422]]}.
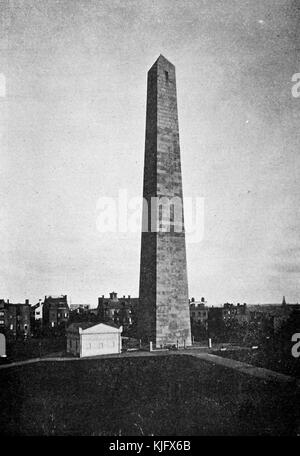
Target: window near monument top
{"points": [[167, 76], [160, 217], [172, 213]]}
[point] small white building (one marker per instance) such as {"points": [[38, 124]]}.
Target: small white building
{"points": [[90, 339]]}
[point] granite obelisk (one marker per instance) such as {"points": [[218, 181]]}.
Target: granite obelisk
{"points": [[163, 313]]}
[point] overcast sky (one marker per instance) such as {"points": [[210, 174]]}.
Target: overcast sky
{"points": [[72, 130]]}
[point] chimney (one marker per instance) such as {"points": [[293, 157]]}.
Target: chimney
{"points": [[8, 301], [27, 301], [128, 296]]}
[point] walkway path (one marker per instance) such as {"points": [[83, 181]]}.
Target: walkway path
{"points": [[249, 369]]}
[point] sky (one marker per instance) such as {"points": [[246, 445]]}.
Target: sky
{"points": [[72, 129]]}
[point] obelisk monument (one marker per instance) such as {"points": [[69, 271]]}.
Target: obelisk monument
{"points": [[163, 313]]}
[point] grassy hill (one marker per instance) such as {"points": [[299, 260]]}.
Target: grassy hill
{"points": [[166, 395]]}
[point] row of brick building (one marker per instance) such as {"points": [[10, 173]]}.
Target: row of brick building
{"points": [[54, 312], [213, 319], [18, 320], [15, 318], [121, 311]]}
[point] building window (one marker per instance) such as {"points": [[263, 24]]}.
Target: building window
{"points": [[52, 324], [167, 76], [1, 322], [11, 327]]}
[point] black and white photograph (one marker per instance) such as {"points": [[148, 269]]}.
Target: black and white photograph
{"points": [[150, 221]]}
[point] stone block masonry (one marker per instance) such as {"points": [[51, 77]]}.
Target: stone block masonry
{"points": [[163, 314]]}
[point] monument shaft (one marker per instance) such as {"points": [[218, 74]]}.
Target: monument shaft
{"points": [[164, 309]]}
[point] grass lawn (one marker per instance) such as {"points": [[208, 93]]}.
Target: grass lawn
{"points": [[166, 395], [19, 350], [283, 363]]}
